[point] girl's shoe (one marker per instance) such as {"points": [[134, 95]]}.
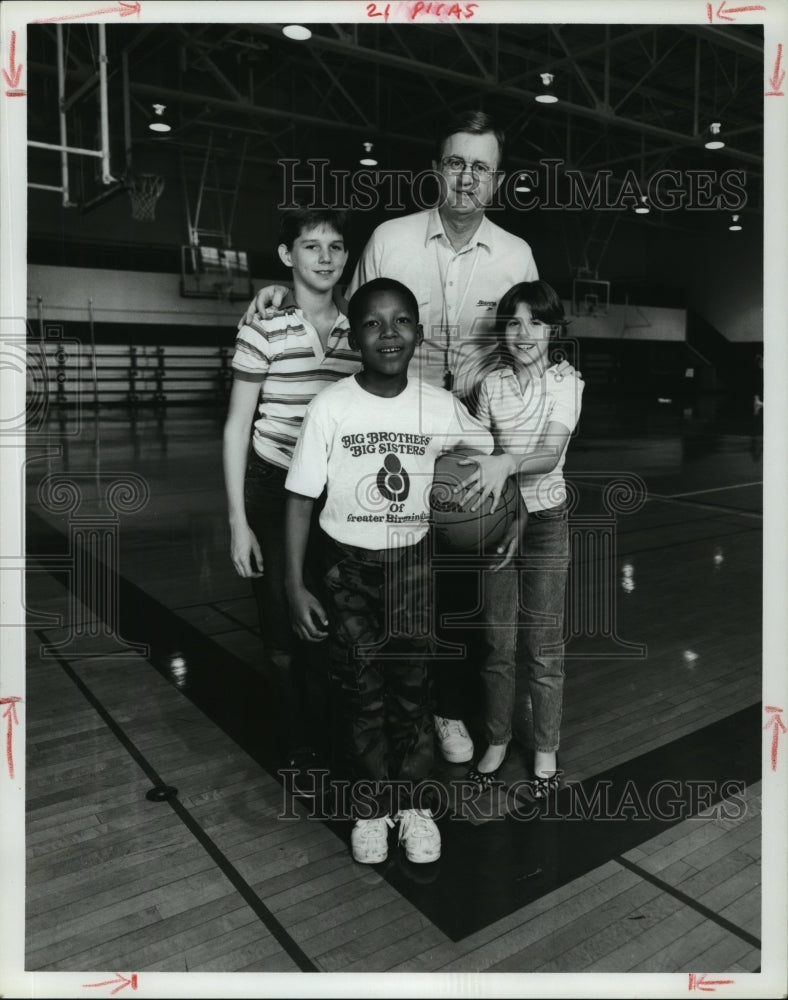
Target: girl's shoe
{"points": [[485, 779], [545, 788]]}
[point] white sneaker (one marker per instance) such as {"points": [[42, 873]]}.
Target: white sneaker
{"points": [[369, 840], [455, 742], [419, 835]]}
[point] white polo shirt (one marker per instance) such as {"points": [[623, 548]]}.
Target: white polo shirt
{"points": [[518, 417], [458, 291]]}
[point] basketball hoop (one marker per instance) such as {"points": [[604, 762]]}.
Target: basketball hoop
{"points": [[144, 191]]}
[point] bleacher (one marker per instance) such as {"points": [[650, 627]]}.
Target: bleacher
{"points": [[130, 375]]}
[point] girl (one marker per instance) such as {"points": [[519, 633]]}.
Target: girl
{"points": [[531, 409]]}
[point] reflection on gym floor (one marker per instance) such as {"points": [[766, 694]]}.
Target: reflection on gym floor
{"points": [[156, 680]]}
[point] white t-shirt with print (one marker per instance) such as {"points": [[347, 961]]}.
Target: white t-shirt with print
{"points": [[376, 456], [518, 418]]}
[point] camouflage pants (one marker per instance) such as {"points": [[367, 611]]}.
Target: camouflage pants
{"points": [[380, 612]]}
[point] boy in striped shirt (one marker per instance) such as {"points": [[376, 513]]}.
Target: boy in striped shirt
{"points": [[281, 362]]}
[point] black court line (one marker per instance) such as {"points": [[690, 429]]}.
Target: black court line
{"points": [[487, 870], [622, 550], [725, 507], [227, 690], [227, 868], [682, 897], [722, 509], [242, 626], [718, 489]]}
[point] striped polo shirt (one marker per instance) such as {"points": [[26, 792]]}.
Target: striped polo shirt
{"points": [[284, 354], [519, 417]]}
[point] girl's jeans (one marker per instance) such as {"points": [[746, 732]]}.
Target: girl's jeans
{"points": [[523, 666]]}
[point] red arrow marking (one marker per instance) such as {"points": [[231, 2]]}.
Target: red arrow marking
{"points": [[121, 979], [707, 985], [124, 9], [777, 77], [777, 727], [723, 12], [10, 714], [13, 72]]}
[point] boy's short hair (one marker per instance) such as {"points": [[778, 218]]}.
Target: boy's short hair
{"points": [[361, 294], [295, 221]]}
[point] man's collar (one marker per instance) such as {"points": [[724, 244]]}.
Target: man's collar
{"points": [[434, 225], [484, 235]]}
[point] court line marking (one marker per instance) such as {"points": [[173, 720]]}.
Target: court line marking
{"points": [[682, 897], [677, 498], [719, 507], [180, 623], [225, 866], [714, 489], [242, 626], [683, 543]]}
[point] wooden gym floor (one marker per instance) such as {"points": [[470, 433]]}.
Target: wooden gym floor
{"points": [[155, 678]]}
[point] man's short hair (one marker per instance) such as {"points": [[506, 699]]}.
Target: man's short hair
{"points": [[294, 221], [361, 294], [475, 123]]}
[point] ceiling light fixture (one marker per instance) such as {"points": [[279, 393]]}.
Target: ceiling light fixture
{"points": [[159, 123], [297, 32], [522, 185], [715, 143], [642, 208], [547, 96], [734, 226], [368, 160]]}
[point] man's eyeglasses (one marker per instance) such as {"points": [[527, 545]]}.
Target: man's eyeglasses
{"points": [[456, 165]]}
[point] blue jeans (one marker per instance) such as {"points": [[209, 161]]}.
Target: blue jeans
{"points": [[523, 610]]}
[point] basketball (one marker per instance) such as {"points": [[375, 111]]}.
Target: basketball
{"points": [[457, 526]]}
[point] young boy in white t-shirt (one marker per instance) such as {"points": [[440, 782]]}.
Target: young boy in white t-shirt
{"points": [[371, 442]]}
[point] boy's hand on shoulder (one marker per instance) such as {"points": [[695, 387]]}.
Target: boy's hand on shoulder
{"points": [[308, 617], [266, 303]]}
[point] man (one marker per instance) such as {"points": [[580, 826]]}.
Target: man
{"points": [[459, 265], [454, 259]]}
